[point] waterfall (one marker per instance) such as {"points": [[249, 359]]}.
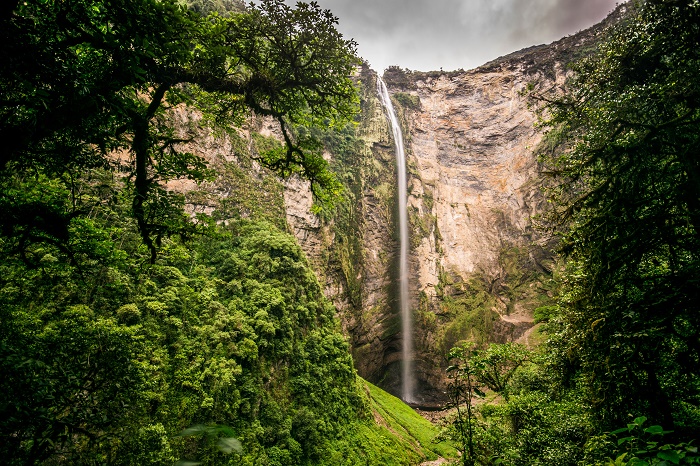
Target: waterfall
{"points": [[407, 374]]}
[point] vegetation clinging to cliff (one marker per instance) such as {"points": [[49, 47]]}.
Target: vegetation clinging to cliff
{"points": [[109, 350], [104, 356], [617, 381]]}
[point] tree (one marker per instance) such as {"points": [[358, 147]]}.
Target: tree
{"points": [[628, 200], [104, 361], [462, 391], [82, 80], [496, 365]]}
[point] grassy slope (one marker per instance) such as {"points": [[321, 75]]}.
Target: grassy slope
{"points": [[396, 435]]}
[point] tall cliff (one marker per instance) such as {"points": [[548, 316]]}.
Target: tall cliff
{"points": [[479, 268]]}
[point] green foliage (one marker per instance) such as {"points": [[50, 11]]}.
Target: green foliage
{"points": [[258, 196], [400, 437], [622, 338], [106, 359], [642, 446], [101, 354], [468, 316], [627, 200], [222, 7], [466, 309], [496, 365], [225, 442], [110, 71], [348, 164], [526, 277], [423, 224], [534, 428], [216, 351], [463, 389], [408, 101], [545, 313], [534, 422]]}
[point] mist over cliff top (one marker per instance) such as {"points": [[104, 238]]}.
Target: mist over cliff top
{"points": [[428, 35]]}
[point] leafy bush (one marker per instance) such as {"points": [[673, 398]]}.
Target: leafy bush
{"points": [[636, 445], [101, 352]]}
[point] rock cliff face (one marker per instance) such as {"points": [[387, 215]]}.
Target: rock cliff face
{"points": [[478, 267]]}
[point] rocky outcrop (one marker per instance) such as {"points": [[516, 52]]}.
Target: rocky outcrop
{"points": [[473, 188]]}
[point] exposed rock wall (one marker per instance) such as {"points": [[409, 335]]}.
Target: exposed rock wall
{"points": [[479, 268], [475, 174], [354, 252], [473, 188]]}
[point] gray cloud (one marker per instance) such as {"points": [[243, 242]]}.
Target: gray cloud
{"points": [[450, 34]]}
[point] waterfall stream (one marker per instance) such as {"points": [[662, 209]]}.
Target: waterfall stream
{"points": [[407, 373]]}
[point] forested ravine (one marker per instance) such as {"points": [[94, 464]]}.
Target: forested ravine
{"points": [[201, 245]]}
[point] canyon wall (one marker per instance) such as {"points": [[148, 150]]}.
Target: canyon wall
{"points": [[479, 267]]}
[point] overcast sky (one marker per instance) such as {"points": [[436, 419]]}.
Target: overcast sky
{"points": [[427, 35]]}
